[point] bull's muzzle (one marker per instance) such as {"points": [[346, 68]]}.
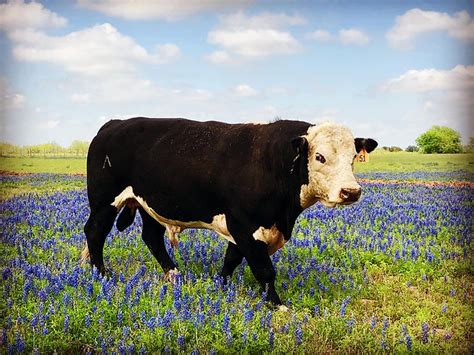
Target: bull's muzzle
{"points": [[350, 195]]}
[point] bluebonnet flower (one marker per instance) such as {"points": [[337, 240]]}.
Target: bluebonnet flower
{"points": [[87, 320], [248, 315], [316, 310], [424, 332], [444, 308], [66, 323], [408, 342], [271, 337], [181, 341], [373, 321], [163, 289], [350, 324], [384, 326], [226, 324], [19, 343], [344, 303], [298, 334]]}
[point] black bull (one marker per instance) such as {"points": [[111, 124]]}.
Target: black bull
{"points": [[193, 171]]}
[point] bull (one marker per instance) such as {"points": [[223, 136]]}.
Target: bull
{"points": [[247, 182]]}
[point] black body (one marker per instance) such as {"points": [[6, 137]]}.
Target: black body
{"points": [[192, 171]]}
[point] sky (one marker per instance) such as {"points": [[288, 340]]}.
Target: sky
{"points": [[386, 69]]}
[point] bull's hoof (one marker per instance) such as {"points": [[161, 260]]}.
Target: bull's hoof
{"points": [[172, 276]]}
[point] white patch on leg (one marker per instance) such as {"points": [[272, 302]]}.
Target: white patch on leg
{"points": [[218, 224], [85, 256], [272, 237], [282, 308], [172, 234]]}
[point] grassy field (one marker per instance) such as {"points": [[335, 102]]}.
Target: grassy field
{"points": [[43, 165], [409, 162], [380, 161], [392, 273]]}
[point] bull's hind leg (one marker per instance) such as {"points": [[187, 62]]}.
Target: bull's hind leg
{"points": [[153, 236], [98, 225], [233, 258]]}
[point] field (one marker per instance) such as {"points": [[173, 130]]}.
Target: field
{"points": [[392, 273]]}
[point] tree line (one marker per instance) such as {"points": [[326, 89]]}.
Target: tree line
{"points": [[437, 139], [77, 149]]}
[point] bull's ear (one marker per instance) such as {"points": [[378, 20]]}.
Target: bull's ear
{"points": [[368, 144], [300, 144]]}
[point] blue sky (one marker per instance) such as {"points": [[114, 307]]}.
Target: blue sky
{"points": [[388, 70]]}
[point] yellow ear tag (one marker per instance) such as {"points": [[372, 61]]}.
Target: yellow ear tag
{"points": [[363, 156]]}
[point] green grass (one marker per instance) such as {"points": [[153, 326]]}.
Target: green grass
{"points": [[43, 165], [381, 161]]}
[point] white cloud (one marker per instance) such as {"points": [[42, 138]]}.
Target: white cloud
{"points": [[80, 98], [266, 20], [416, 22], [156, 9], [245, 90], [445, 96], [167, 53], [51, 124], [459, 78], [253, 36], [96, 50], [353, 36], [16, 14], [219, 57], [10, 100], [320, 36]]}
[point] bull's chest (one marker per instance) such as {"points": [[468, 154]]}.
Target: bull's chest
{"points": [[271, 236]]}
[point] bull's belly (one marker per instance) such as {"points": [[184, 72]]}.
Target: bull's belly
{"points": [[271, 236]]}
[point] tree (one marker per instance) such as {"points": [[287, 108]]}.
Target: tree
{"points": [[440, 139], [412, 148], [470, 147], [79, 148]]}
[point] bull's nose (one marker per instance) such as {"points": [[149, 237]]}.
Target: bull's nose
{"points": [[350, 195]]}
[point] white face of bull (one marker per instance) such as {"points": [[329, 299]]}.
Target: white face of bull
{"points": [[331, 153]]}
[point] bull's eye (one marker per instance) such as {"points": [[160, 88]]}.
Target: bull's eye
{"points": [[320, 158]]}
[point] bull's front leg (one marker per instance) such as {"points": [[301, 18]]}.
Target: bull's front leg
{"points": [[256, 254], [262, 268]]}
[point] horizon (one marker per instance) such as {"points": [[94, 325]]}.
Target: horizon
{"points": [[387, 71]]}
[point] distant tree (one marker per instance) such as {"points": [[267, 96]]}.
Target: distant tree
{"points": [[412, 148], [7, 149], [395, 149], [79, 148], [440, 139], [386, 148], [470, 147]]}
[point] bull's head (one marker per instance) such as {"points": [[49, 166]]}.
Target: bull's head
{"points": [[330, 150]]}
